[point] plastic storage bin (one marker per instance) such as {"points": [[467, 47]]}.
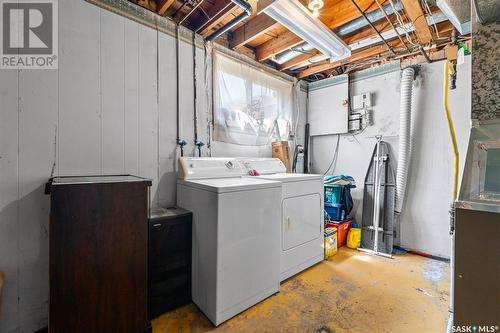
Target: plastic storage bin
{"points": [[335, 211], [342, 231], [333, 194]]}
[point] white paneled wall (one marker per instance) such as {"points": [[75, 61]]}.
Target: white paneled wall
{"points": [[109, 108], [425, 218]]}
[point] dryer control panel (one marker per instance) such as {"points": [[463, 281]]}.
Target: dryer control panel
{"points": [[264, 166]]}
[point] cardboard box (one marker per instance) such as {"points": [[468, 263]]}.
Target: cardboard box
{"points": [[281, 150]]}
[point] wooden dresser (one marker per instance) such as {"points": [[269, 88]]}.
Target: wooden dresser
{"points": [[99, 254]]}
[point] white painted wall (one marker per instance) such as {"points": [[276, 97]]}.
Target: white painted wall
{"points": [[425, 220], [110, 108]]}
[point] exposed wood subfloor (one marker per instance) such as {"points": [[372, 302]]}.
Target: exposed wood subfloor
{"points": [[351, 292]]}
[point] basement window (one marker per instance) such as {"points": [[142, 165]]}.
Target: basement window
{"points": [[251, 107]]}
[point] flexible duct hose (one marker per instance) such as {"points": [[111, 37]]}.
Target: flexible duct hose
{"points": [[407, 78]]}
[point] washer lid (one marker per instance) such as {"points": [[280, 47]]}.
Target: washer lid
{"points": [[223, 185], [291, 177]]}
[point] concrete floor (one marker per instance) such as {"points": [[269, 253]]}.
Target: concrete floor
{"points": [[350, 292]]}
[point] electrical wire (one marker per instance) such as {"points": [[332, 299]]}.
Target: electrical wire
{"points": [[392, 25], [401, 24], [335, 156], [429, 13]]}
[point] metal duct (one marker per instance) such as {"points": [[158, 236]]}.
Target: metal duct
{"points": [[374, 16], [292, 53], [458, 12], [388, 35]]}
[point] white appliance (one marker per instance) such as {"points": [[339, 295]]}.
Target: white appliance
{"points": [[236, 254], [301, 215]]}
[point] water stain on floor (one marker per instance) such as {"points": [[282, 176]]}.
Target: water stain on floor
{"points": [[350, 292]]}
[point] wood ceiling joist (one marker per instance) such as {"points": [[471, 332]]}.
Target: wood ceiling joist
{"points": [[163, 5], [418, 19], [356, 56], [216, 14], [277, 45], [367, 32], [444, 28], [257, 26], [342, 13]]}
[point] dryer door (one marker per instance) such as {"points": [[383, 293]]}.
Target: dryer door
{"points": [[301, 220]]}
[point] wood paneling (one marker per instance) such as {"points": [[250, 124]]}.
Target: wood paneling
{"points": [[79, 123], [9, 196], [113, 95]]}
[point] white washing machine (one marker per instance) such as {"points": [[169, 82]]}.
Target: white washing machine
{"points": [[236, 254], [301, 215]]}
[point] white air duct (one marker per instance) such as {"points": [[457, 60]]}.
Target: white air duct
{"points": [[405, 107]]}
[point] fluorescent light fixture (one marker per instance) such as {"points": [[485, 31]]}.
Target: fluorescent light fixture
{"points": [[299, 20]]}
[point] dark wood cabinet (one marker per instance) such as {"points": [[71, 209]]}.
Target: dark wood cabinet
{"points": [[476, 294], [99, 254], [169, 259]]}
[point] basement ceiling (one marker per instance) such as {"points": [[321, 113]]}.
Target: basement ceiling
{"points": [[412, 30]]}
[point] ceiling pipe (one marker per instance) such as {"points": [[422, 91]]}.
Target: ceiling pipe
{"points": [[388, 35], [373, 27], [247, 12]]}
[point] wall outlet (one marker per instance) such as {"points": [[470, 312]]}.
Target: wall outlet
{"points": [[354, 124]]}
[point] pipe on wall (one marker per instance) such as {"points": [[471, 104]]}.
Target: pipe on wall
{"points": [[407, 77], [448, 70]]}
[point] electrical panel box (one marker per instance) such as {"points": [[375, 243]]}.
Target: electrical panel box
{"points": [[362, 101], [329, 108]]}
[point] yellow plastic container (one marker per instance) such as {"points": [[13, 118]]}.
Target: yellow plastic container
{"points": [[330, 242], [354, 238]]}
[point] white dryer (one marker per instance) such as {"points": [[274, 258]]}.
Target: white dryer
{"points": [[236, 254], [301, 214]]}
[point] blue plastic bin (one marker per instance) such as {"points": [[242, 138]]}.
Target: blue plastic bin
{"points": [[335, 211], [333, 194]]}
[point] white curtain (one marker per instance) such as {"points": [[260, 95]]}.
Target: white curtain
{"points": [[251, 107]]}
